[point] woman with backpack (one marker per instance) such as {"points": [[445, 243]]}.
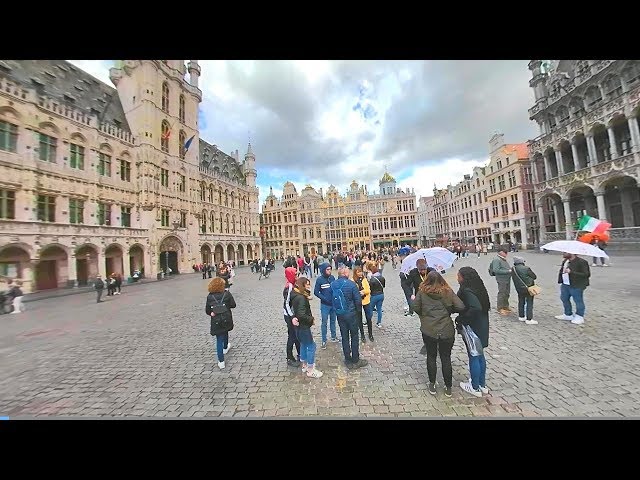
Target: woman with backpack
{"points": [[523, 278], [300, 304], [218, 307], [434, 304], [474, 295], [376, 284], [365, 291]]}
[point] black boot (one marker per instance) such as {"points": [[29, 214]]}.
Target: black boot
{"points": [[423, 350], [292, 362], [370, 337]]}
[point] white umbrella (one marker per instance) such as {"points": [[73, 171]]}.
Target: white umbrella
{"points": [[575, 247], [436, 257]]}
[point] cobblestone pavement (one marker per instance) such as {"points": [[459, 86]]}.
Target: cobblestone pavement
{"points": [[148, 353]]}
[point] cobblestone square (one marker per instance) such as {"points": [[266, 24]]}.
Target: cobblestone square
{"points": [[148, 353]]}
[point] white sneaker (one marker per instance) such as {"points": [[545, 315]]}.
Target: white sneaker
{"points": [[564, 317], [577, 320], [467, 387], [304, 369], [594, 264], [220, 365], [605, 265], [484, 389], [315, 373], [522, 319], [531, 322], [226, 350]]}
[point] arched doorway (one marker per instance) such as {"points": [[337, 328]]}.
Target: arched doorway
{"points": [[170, 253], [136, 259], [601, 142], [240, 255], [249, 252], [620, 126], [52, 268], [258, 253], [231, 253], [567, 156], [219, 254], [550, 161], [113, 259], [14, 262], [86, 263], [553, 213], [622, 202], [205, 253], [582, 201]]}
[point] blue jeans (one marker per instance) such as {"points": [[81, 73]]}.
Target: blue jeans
{"points": [[307, 272], [349, 329], [566, 292], [307, 345], [327, 313], [222, 342], [478, 371], [376, 302]]}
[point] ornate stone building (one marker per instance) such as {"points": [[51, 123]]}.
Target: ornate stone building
{"points": [[393, 215], [587, 157], [98, 180], [469, 213], [509, 199], [317, 222], [426, 227], [441, 216]]}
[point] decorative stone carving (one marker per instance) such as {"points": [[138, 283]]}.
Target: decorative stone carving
{"points": [[171, 244]]}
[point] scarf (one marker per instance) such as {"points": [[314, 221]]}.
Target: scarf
{"points": [[306, 293]]}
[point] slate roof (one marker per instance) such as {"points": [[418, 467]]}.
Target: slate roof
{"points": [[69, 85]]}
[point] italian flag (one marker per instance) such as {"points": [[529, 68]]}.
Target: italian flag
{"points": [[590, 224]]}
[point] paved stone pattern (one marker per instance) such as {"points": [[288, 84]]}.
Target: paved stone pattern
{"points": [[148, 353]]}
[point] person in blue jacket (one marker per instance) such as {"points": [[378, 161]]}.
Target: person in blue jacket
{"points": [[322, 290]]}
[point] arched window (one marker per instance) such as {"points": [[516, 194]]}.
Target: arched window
{"points": [[233, 200], [562, 115], [631, 73], [226, 199], [164, 136], [212, 222], [577, 107], [220, 222], [181, 139], [203, 187], [220, 200], [612, 87], [211, 193], [204, 221], [593, 96], [233, 224], [226, 230], [165, 97], [181, 109]]}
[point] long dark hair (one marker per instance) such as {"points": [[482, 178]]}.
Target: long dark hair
{"points": [[472, 281]]}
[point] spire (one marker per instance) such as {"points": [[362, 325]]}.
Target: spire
{"points": [[270, 190], [249, 152]]}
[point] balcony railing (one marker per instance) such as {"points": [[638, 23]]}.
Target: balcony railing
{"points": [[17, 227]]}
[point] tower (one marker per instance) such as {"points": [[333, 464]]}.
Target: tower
{"points": [[250, 167], [194, 73], [387, 184]]}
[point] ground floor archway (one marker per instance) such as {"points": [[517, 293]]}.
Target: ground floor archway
{"points": [[231, 253], [240, 255], [249, 252], [219, 254], [86, 264], [136, 259], [113, 259], [170, 253], [15, 262], [553, 213], [205, 254], [51, 270], [622, 202]]}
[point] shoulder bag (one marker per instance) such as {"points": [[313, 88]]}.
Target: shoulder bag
{"points": [[533, 289]]}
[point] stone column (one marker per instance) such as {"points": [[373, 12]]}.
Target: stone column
{"points": [[72, 277], [556, 214], [612, 143], [547, 168], [523, 233], [574, 152], [591, 148], [27, 277], [602, 209], [541, 222], [126, 266], [567, 219], [635, 133], [559, 162], [102, 267], [534, 171]]}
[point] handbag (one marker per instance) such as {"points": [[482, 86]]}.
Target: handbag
{"points": [[533, 289], [473, 342]]}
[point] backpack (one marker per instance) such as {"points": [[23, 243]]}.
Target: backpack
{"points": [[221, 313], [491, 272], [337, 299]]}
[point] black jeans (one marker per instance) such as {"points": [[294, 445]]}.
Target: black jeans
{"points": [[524, 297], [444, 345], [408, 291], [99, 294], [292, 338], [349, 330]]}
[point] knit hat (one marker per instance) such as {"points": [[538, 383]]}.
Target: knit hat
{"points": [[518, 260]]}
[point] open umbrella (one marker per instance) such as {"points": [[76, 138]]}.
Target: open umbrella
{"points": [[436, 257], [575, 247]]}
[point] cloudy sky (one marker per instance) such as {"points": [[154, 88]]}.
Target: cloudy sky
{"points": [[330, 122]]}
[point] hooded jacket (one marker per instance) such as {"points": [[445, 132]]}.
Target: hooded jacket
{"points": [[302, 309], [290, 275], [322, 289], [435, 312]]}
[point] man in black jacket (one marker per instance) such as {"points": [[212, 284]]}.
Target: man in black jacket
{"points": [[410, 285], [573, 278], [99, 286]]}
